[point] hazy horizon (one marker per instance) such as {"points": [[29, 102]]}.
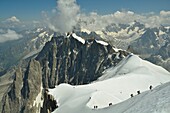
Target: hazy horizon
{"points": [[32, 10]]}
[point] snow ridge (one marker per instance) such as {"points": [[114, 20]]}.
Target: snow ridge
{"points": [[102, 42], [78, 38], [111, 93]]}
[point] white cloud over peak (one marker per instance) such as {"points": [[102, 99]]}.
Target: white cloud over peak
{"points": [[64, 16], [9, 35]]}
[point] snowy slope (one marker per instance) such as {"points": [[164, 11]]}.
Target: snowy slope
{"points": [[134, 65], [78, 38], [102, 42], [115, 87], [155, 101]]}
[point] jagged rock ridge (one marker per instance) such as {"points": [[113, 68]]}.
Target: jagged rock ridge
{"points": [[66, 60], [63, 59], [23, 91]]}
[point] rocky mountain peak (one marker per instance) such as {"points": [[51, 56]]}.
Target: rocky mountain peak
{"points": [[68, 60], [74, 59]]}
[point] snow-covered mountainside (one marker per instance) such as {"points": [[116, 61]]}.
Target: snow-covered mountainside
{"points": [[30, 43], [121, 35], [125, 34], [151, 44], [112, 92]]}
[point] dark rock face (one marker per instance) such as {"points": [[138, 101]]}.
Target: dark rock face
{"points": [[11, 100], [49, 104], [31, 80], [161, 57], [164, 51], [153, 46], [62, 60], [146, 44], [66, 60], [24, 90]]}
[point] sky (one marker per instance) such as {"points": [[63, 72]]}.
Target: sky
{"points": [[32, 9]]}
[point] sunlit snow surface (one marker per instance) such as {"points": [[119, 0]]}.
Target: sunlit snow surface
{"points": [[78, 38], [115, 86], [102, 42]]}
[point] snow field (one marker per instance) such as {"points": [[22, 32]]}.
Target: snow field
{"points": [[115, 87]]}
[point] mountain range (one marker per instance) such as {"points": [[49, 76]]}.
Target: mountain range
{"points": [[98, 71]]}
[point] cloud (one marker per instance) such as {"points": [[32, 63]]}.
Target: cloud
{"points": [[165, 13], [9, 35], [64, 16], [68, 14], [94, 21], [13, 19]]}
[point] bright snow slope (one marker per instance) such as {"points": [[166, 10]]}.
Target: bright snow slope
{"points": [[115, 86]]}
